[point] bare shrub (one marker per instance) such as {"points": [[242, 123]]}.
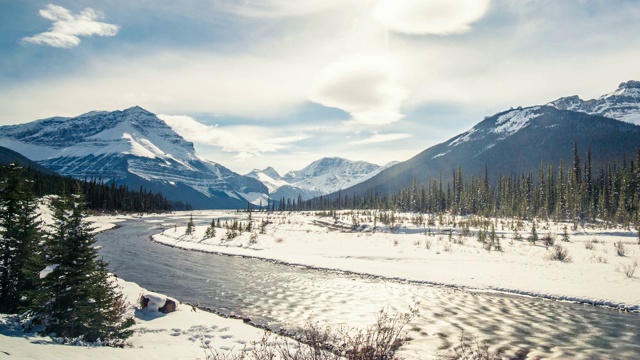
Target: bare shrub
{"points": [[549, 239], [620, 250], [253, 239], [447, 247], [476, 350], [279, 240], [629, 269], [427, 244], [395, 242], [590, 245], [380, 341], [487, 245], [598, 259], [559, 253]]}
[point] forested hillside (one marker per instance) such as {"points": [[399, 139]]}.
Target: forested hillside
{"points": [[607, 191], [98, 196]]}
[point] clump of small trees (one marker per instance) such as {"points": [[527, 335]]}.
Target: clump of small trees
{"points": [[559, 253], [55, 275]]}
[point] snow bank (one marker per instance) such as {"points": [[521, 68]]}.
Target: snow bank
{"points": [[183, 334], [594, 276]]}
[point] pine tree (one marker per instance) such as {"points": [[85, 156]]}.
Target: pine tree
{"points": [[190, 227], [534, 234], [565, 234], [20, 236], [211, 230], [78, 298]]}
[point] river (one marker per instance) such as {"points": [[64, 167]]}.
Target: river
{"points": [[280, 296]]}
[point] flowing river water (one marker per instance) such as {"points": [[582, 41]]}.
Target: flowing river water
{"points": [[285, 297]]}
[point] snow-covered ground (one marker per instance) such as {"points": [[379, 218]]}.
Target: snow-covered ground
{"points": [[414, 252], [428, 254], [183, 334]]}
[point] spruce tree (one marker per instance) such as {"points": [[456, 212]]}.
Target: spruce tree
{"points": [[78, 298], [211, 230], [20, 236], [565, 234], [190, 227], [534, 234]]}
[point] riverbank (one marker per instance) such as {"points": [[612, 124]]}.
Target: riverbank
{"points": [[183, 334], [422, 253]]}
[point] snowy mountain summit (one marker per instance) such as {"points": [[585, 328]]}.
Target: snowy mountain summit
{"points": [[132, 147], [623, 104], [321, 177]]}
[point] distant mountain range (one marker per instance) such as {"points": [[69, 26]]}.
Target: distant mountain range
{"points": [[518, 140], [321, 177], [136, 148]]}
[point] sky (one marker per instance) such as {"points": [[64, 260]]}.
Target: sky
{"points": [[282, 83]]}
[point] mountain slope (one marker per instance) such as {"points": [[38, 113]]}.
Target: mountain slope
{"points": [[623, 104], [132, 147], [8, 156], [514, 141], [321, 177]]}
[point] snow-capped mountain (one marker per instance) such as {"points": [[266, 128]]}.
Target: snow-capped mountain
{"points": [[518, 140], [132, 147], [623, 104], [321, 177]]}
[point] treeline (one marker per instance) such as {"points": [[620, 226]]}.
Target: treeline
{"points": [[581, 191], [98, 195]]}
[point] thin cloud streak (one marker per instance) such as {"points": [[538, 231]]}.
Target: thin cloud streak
{"points": [[67, 27], [381, 138], [244, 141]]}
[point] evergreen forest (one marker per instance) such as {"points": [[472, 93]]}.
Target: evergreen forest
{"points": [[577, 192]]}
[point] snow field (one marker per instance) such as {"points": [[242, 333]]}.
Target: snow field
{"points": [[183, 334]]}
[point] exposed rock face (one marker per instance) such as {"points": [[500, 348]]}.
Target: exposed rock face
{"points": [[154, 302], [169, 307], [623, 104]]}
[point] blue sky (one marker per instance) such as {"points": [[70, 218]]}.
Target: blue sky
{"points": [[256, 83]]}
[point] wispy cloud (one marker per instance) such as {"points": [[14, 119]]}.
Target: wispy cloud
{"points": [[380, 138], [362, 85], [439, 17], [244, 141], [279, 8], [68, 27]]}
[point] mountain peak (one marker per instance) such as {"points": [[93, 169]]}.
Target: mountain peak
{"points": [[132, 147], [137, 110], [631, 84], [270, 171], [622, 104]]}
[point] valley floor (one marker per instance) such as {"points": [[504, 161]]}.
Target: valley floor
{"points": [[427, 253], [430, 254]]}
